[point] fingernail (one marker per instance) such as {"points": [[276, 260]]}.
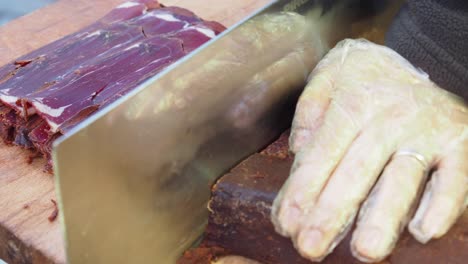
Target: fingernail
{"points": [[288, 220], [312, 239], [311, 244], [368, 244], [372, 237], [419, 231]]}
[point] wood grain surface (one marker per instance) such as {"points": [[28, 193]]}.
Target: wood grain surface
{"points": [[26, 234]]}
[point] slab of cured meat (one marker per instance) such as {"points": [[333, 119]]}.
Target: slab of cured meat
{"points": [[239, 222], [49, 91]]}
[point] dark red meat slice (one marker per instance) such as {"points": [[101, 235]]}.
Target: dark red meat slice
{"points": [[49, 91], [126, 11], [89, 46], [53, 68], [108, 76]]}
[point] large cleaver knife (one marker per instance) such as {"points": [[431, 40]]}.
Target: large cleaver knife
{"points": [[134, 180]]}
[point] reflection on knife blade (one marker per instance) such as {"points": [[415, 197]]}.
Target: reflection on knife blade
{"points": [[261, 66]]}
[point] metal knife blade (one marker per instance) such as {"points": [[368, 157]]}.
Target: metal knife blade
{"points": [[134, 180]]}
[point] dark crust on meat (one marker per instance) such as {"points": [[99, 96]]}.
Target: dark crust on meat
{"points": [[202, 255]]}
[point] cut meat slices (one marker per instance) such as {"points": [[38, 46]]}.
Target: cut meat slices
{"points": [[49, 91], [123, 12], [94, 83]]}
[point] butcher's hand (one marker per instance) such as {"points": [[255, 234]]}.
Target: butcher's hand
{"points": [[368, 129]]}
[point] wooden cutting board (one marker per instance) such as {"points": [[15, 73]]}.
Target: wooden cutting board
{"points": [[26, 193]]}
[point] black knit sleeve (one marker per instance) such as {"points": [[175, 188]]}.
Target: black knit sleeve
{"points": [[433, 35]]}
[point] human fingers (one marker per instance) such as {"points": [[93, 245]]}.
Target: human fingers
{"points": [[310, 111], [312, 167], [388, 208], [348, 186], [445, 197]]}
